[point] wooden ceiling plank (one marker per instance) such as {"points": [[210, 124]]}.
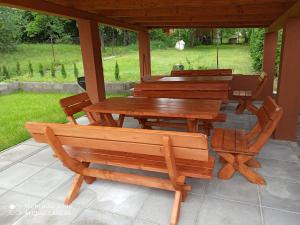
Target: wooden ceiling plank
{"points": [[292, 12], [59, 10]]}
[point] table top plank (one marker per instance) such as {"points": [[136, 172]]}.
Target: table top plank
{"points": [[198, 79], [159, 107]]}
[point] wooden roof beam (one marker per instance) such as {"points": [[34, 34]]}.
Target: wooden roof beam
{"points": [[154, 4], [292, 12], [59, 10]]}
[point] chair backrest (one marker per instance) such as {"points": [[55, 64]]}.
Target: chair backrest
{"points": [[74, 104], [268, 117], [263, 78], [112, 139], [192, 90], [211, 72]]}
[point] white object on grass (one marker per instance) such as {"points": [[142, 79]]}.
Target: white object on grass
{"points": [[180, 45]]}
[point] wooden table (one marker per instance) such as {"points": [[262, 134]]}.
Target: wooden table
{"points": [[192, 110], [198, 79]]}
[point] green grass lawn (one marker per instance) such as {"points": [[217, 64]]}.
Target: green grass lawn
{"points": [[18, 108], [236, 57]]}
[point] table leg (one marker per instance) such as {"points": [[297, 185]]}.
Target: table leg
{"points": [[110, 120], [121, 120], [192, 125], [91, 117]]}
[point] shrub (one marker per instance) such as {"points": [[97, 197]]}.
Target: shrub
{"points": [[256, 47], [117, 71], [5, 72], [52, 70], [30, 69], [76, 72], [18, 69], [41, 70], [63, 71]]}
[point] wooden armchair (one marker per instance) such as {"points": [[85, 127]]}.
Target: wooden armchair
{"points": [[246, 98], [75, 104], [238, 148]]}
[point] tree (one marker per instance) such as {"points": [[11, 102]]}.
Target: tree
{"points": [[9, 29], [256, 47], [49, 27]]}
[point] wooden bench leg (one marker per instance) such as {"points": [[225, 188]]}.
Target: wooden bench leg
{"points": [[176, 208], [88, 180], [252, 108], [241, 107], [75, 187], [253, 163], [142, 121], [240, 163]]}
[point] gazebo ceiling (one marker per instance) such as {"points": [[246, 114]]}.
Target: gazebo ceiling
{"points": [[145, 14]]}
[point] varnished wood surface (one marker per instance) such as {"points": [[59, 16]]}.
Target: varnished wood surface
{"points": [[197, 78], [159, 107]]}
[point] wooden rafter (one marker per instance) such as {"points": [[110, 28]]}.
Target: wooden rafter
{"points": [[59, 10], [292, 12]]}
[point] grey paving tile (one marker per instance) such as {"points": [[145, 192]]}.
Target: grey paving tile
{"points": [[281, 169], [42, 158], [43, 183], [2, 190], [122, 199], [59, 166], [19, 152], [199, 186], [281, 194], [83, 120], [276, 217], [5, 163], [84, 198], [237, 188], [158, 207], [16, 174], [216, 211], [93, 217], [278, 152], [34, 143], [143, 222], [13, 205], [49, 213]]}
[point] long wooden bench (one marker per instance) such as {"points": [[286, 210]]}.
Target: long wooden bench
{"points": [[211, 72], [177, 154], [194, 90]]}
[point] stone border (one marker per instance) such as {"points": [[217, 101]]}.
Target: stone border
{"points": [[6, 88]]}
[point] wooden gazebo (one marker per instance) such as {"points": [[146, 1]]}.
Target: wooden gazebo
{"points": [[142, 15]]}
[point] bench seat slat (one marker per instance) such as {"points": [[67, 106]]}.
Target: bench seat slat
{"points": [[191, 168]]}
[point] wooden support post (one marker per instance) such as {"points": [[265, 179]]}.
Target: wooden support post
{"points": [[269, 60], [289, 80], [144, 54], [92, 60]]}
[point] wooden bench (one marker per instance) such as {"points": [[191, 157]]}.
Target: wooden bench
{"points": [[246, 97], [177, 154], [212, 72], [75, 104], [238, 148], [193, 90]]}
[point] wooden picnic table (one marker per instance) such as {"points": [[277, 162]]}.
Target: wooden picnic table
{"points": [[197, 79], [192, 110]]}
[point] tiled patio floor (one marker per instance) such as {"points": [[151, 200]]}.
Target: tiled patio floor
{"points": [[33, 185]]}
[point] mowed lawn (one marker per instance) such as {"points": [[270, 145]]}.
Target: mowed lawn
{"points": [[236, 57], [18, 108]]}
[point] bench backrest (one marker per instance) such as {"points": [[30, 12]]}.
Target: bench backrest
{"points": [[263, 78], [212, 72], [169, 89], [268, 117], [128, 140], [74, 104]]}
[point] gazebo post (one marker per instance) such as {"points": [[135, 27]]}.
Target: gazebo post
{"points": [[269, 60], [144, 55], [92, 60], [289, 80]]}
